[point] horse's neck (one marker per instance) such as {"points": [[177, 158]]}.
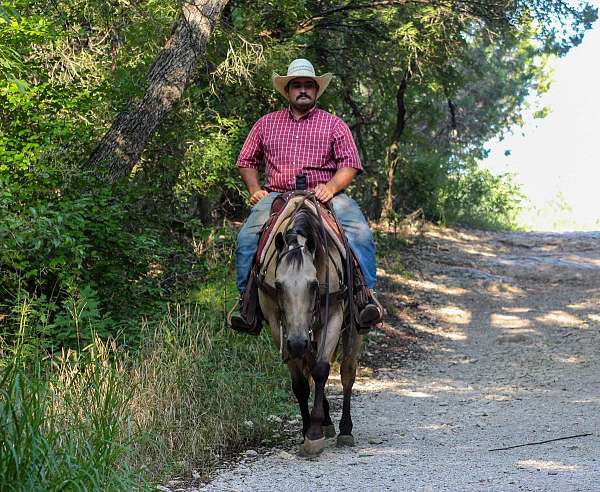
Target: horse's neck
{"points": [[333, 262], [331, 259]]}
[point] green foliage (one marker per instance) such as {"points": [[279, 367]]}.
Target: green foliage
{"points": [[74, 258], [207, 165], [62, 426], [477, 198], [104, 419]]}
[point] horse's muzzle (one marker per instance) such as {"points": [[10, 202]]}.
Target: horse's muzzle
{"points": [[297, 346]]}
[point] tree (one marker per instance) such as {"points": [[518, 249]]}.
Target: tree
{"points": [[121, 147]]}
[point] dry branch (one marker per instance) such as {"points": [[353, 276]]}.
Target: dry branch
{"points": [[541, 442]]}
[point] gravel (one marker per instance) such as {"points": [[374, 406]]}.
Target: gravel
{"points": [[510, 357]]}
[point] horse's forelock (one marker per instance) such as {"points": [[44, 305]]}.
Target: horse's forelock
{"points": [[305, 225]]}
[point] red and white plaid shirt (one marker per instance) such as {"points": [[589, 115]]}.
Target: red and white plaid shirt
{"points": [[317, 144]]}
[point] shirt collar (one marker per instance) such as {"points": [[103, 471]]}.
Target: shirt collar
{"points": [[303, 117]]}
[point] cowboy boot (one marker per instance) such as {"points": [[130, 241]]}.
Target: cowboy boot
{"points": [[238, 322], [370, 314]]}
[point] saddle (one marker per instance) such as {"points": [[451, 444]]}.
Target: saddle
{"points": [[282, 209]]}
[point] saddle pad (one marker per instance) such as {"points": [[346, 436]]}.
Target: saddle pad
{"points": [[285, 215]]}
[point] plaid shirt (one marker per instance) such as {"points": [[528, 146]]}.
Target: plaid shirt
{"points": [[318, 144]]}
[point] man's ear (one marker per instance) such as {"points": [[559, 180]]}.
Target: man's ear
{"points": [[279, 241]]}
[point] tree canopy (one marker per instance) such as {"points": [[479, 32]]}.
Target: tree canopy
{"points": [[120, 121]]}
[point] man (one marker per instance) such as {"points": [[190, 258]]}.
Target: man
{"points": [[303, 139]]}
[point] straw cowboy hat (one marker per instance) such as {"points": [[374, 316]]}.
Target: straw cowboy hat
{"points": [[301, 68]]}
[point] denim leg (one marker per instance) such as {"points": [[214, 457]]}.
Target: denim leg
{"points": [[248, 237], [358, 232]]}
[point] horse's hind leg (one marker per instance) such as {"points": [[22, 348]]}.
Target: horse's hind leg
{"points": [[301, 389], [328, 427], [348, 373]]}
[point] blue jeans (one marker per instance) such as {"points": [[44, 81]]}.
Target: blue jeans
{"points": [[350, 216]]}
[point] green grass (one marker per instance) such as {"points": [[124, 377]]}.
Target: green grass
{"points": [[62, 423], [108, 419]]}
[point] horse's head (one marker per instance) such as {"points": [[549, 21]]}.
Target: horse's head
{"points": [[297, 288]]}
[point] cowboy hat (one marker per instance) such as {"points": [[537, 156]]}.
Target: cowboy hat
{"points": [[301, 68]]}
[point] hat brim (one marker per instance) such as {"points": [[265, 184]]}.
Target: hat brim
{"points": [[280, 82]]}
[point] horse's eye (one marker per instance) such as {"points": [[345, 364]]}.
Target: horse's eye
{"points": [[278, 285]]}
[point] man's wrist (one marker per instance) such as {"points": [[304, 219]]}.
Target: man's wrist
{"points": [[332, 187]]}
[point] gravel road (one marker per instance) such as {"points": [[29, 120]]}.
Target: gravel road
{"points": [[491, 342]]}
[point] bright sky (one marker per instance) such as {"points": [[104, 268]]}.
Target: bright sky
{"points": [[561, 153]]}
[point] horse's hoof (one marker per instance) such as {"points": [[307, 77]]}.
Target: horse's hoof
{"points": [[312, 448], [329, 431], [347, 440]]}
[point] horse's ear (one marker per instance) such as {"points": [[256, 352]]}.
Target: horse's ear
{"points": [[310, 245], [279, 241]]}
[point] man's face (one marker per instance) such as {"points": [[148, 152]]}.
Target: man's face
{"points": [[302, 93]]}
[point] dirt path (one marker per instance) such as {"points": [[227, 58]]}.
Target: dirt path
{"points": [[506, 332]]}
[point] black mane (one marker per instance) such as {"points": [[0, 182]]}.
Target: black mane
{"points": [[306, 225]]}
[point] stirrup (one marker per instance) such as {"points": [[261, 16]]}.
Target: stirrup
{"points": [[370, 315]]}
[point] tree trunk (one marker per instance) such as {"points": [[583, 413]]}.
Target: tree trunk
{"points": [[121, 147], [392, 156], [391, 165]]}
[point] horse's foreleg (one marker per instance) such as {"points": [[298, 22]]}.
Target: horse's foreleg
{"points": [[348, 373], [320, 373], [301, 389]]}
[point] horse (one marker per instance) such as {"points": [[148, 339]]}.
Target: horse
{"points": [[302, 296]]}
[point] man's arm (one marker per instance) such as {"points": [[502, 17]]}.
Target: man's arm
{"points": [[345, 155], [249, 162], [340, 181], [250, 177]]}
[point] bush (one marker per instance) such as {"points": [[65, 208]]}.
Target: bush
{"points": [[107, 419], [77, 259], [477, 198]]}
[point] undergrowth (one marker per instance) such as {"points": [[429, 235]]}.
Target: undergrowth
{"points": [[108, 416], [64, 420]]}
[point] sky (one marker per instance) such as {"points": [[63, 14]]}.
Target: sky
{"points": [[560, 154]]}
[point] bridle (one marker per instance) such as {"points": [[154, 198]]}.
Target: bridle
{"points": [[321, 294], [316, 301]]}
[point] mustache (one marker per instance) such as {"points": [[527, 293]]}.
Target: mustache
{"points": [[302, 95]]}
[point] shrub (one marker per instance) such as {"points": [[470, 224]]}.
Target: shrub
{"points": [[477, 198]]}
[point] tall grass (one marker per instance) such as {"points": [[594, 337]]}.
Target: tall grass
{"points": [[198, 384], [105, 419], [61, 422]]}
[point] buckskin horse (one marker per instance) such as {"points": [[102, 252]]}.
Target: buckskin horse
{"points": [[303, 294]]}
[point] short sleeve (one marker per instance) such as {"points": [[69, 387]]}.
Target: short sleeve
{"points": [[252, 151], [345, 153]]}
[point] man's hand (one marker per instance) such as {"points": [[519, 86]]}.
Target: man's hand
{"points": [[257, 196], [323, 193]]}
